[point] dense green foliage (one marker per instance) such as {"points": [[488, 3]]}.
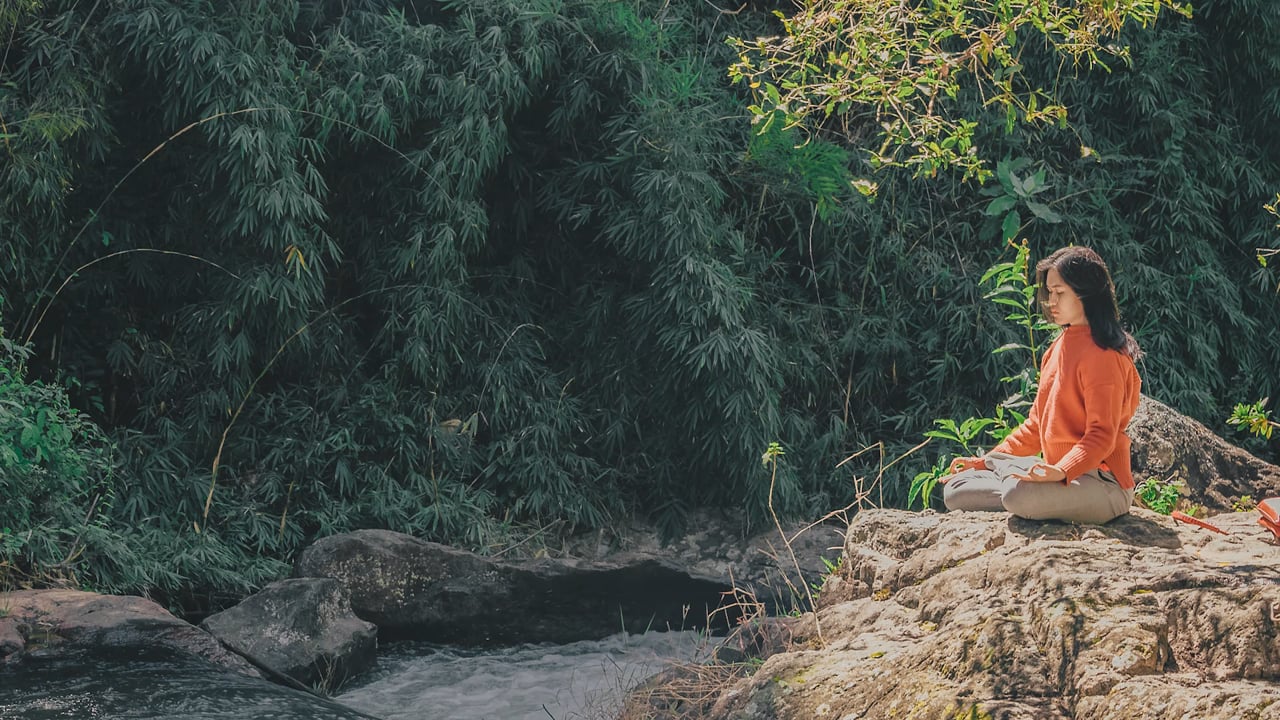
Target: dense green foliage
{"points": [[58, 490], [462, 269], [1013, 287], [900, 67]]}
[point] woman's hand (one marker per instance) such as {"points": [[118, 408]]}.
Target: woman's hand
{"points": [[1042, 472], [962, 464]]}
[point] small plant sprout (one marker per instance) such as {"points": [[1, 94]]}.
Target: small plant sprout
{"points": [[771, 455]]}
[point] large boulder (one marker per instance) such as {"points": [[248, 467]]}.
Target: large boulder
{"points": [[413, 588], [302, 629], [1170, 446], [55, 623], [985, 615]]}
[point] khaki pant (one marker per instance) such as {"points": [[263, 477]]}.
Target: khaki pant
{"points": [[1093, 498]]}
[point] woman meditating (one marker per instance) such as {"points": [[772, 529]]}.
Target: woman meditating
{"points": [[1089, 389]]}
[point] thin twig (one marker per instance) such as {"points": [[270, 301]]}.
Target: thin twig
{"points": [[217, 459], [813, 605], [118, 253], [94, 214]]}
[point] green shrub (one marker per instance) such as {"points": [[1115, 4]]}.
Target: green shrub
{"points": [[56, 481], [1159, 495]]}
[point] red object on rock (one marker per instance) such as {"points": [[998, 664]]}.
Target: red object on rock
{"points": [[1183, 517], [1270, 509]]}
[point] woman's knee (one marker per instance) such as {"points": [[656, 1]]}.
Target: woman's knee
{"points": [[971, 491], [949, 497], [1034, 501], [1028, 501]]}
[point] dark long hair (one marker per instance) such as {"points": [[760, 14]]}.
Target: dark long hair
{"points": [[1086, 274]]}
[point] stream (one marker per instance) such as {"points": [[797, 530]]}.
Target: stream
{"points": [[581, 681], [411, 681]]}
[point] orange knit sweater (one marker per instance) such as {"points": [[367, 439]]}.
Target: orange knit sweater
{"points": [[1086, 398]]}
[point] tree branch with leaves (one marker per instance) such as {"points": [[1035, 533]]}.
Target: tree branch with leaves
{"points": [[899, 65]]}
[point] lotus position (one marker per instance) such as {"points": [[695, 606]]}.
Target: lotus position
{"points": [[1089, 390]]}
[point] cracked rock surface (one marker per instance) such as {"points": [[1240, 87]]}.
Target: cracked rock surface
{"points": [[985, 615]]}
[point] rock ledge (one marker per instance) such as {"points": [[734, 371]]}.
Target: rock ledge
{"points": [[941, 616]]}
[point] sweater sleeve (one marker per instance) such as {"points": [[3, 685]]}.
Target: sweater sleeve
{"points": [[1024, 441], [1103, 407]]}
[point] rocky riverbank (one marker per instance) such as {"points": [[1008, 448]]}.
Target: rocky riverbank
{"points": [[320, 628], [986, 616], [982, 615]]}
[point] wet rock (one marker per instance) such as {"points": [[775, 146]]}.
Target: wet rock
{"points": [[54, 623], [11, 640], [303, 629], [154, 684], [768, 566]]}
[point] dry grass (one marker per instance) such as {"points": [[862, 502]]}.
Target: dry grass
{"points": [[686, 691]]}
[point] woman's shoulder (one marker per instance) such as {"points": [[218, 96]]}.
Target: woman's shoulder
{"points": [[1093, 358], [1075, 340]]}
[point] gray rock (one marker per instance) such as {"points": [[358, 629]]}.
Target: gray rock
{"points": [[54, 623], [413, 588], [1171, 446], [303, 629]]}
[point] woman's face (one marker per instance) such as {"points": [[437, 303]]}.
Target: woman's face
{"points": [[1063, 305]]}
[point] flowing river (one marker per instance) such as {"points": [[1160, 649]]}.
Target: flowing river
{"points": [[412, 681], [581, 681]]}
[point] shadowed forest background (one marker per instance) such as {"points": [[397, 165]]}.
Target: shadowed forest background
{"points": [[472, 270]]}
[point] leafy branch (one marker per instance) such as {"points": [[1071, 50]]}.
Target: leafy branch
{"points": [[1254, 418], [902, 66]]}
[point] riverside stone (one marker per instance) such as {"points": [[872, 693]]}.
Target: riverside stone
{"points": [[57, 623], [939, 616], [413, 588], [301, 628], [11, 640]]}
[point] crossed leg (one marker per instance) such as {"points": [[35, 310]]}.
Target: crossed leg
{"points": [[1092, 498]]}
